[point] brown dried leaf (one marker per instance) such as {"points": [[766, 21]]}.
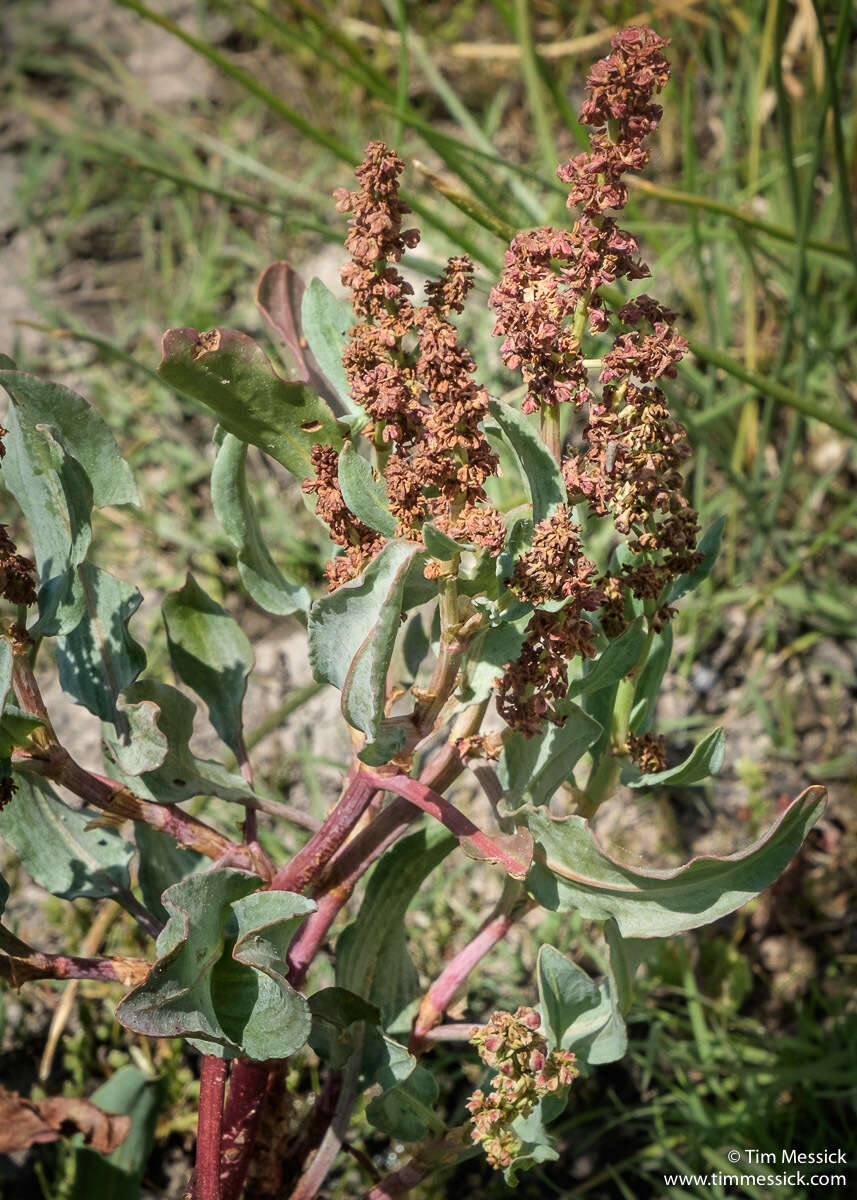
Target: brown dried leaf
{"points": [[24, 1123]]}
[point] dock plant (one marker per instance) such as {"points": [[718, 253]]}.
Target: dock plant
{"points": [[500, 640]]}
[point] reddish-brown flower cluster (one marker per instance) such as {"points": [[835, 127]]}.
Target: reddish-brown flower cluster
{"points": [[17, 583], [554, 566], [538, 678], [549, 279], [547, 291], [406, 367], [648, 751], [360, 542], [526, 1072], [634, 447], [619, 108]]}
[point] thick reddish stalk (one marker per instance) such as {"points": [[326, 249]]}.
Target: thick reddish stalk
{"points": [[346, 870], [341, 874], [212, 1082], [247, 1085], [16, 969], [307, 864], [455, 821], [112, 798], [345, 864], [441, 992]]}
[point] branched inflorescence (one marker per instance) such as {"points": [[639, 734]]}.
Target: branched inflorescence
{"points": [[630, 467], [526, 1072], [408, 370]]}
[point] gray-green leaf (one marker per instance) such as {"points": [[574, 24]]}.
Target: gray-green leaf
{"points": [[55, 496], [236, 512], [578, 1014], [97, 658], [619, 656], [352, 633], [218, 979], [542, 474], [180, 773], [211, 654], [371, 954], [533, 769], [573, 872], [232, 375], [325, 322], [364, 495], [81, 430], [55, 845]]}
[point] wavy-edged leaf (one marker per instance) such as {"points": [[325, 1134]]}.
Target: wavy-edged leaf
{"points": [[572, 871], [54, 494], [706, 758], [542, 474], [533, 769], [54, 844], [180, 773], [352, 633], [232, 375], [81, 431], [364, 495], [218, 977], [211, 654], [619, 656], [372, 958], [236, 512], [325, 322], [709, 548]]}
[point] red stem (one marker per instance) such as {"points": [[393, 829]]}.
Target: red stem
{"points": [[212, 1082], [17, 969], [441, 992], [339, 872], [241, 1121], [455, 821], [113, 798], [343, 874], [247, 1087], [307, 864]]}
